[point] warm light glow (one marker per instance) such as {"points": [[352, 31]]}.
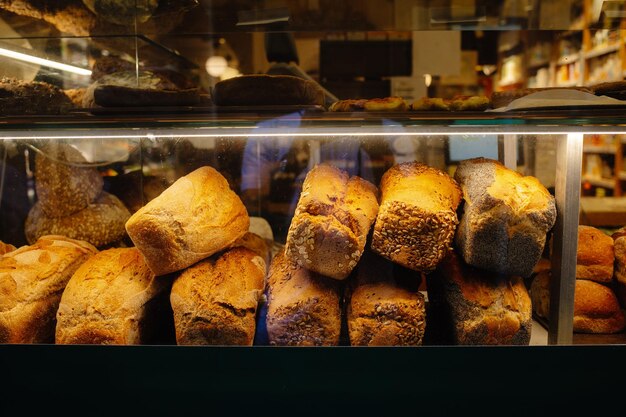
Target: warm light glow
{"points": [[45, 62], [216, 65], [428, 79], [229, 72]]}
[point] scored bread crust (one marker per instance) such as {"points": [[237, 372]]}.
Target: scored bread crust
{"points": [[595, 255], [197, 216], [32, 279], [108, 300], [417, 216], [333, 217], [303, 307], [505, 217]]}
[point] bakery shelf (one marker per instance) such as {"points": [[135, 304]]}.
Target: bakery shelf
{"points": [[622, 175], [594, 53], [602, 149], [568, 59], [569, 84], [538, 64], [600, 182]]}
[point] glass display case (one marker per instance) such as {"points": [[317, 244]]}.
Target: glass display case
{"points": [[144, 203]]}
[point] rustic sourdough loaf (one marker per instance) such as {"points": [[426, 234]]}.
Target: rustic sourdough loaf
{"points": [[32, 279], [115, 299], [505, 217], [417, 216], [333, 217], [263, 90], [304, 307], [215, 301], [595, 255], [197, 216]]}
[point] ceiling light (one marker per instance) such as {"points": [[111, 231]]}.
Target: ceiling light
{"points": [[44, 62]]}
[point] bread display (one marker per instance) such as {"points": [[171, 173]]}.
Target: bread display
{"points": [[505, 219], [264, 90], [383, 308], [304, 307], [619, 246], [477, 307], [256, 244], [64, 182], [595, 255], [197, 216], [331, 222], [215, 301], [417, 216], [430, 103], [34, 97], [114, 298], [6, 248], [596, 308], [32, 279], [457, 103], [374, 104], [100, 223]]}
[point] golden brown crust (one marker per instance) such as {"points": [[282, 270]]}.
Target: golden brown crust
{"points": [[6, 248], [386, 104], [417, 216], [595, 256], [215, 301], [108, 301], [596, 309], [303, 306], [333, 217], [197, 216], [256, 244], [32, 279], [430, 103]]}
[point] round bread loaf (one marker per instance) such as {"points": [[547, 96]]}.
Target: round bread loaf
{"points": [[100, 223], [123, 12], [62, 188], [265, 90]]}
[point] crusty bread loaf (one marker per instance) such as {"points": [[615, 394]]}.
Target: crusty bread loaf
{"points": [[262, 90], [384, 309], [417, 217], [596, 308], [100, 223], [194, 218], [595, 255], [386, 104], [304, 307], [6, 248], [63, 188], [32, 279], [256, 244], [333, 217], [215, 301], [114, 299], [478, 307], [505, 217], [23, 97], [619, 246]]}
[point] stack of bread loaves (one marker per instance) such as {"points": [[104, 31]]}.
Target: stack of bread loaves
{"points": [[479, 296], [596, 308], [71, 201]]}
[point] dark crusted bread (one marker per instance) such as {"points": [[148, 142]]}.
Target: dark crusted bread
{"points": [[215, 301], [417, 216], [123, 12], [304, 307], [262, 90], [64, 182], [505, 217], [477, 307], [100, 223], [384, 308], [332, 220], [21, 97]]}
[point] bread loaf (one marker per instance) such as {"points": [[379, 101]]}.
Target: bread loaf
{"points": [[263, 90], [100, 223], [384, 309], [32, 279], [215, 301], [6, 248], [417, 216], [595, 255], [197, 216], [303, 307], [114, 299], [22, 97], [619, 246], [256, 244], [478, 307], [505, 217], [332, 220], [63, 186]]}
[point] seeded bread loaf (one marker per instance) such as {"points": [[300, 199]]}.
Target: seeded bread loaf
{"points": [[384, 308], [64, 185], [263, 90], [595, 255], [215, 301], [6, 248], [32, 279], [197, 216], [505, 219], [100, 223], [303, 307], [417, 216], [332, 220], [477, 307], [115, 299]]}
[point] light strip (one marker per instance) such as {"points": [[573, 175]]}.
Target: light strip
{"points": [[45, 62]]}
